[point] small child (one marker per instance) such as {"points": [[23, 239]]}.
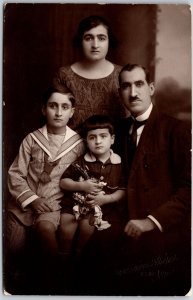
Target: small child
{"points": [[93, 181], [33, 178]]}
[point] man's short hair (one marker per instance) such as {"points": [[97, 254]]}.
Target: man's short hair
{"points": [[129, 67]]}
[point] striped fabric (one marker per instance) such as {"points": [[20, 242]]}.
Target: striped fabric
{"points": [[24, 174]]}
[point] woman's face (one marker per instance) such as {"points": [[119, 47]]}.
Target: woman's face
{"points": [[95, 43]]}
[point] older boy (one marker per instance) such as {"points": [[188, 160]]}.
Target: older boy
{"points": [[33, 178]]}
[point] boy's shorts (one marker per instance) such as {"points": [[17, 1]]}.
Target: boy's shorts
{"points": [[53, 217]]}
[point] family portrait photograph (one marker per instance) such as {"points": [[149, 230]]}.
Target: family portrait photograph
{"points": [[96, 149]]}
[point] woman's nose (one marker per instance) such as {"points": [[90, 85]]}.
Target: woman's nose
{"points": [[95, 42]]}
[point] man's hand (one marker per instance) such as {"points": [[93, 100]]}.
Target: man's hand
{"points": [[135, 228], [40, 205]]}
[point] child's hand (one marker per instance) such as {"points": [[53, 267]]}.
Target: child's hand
{"points": [[91, 186], [97, 199], [40, 205]]}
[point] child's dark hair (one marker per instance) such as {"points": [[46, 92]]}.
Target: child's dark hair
{"points": [[92, 22], [52, 90], [97, 122]]}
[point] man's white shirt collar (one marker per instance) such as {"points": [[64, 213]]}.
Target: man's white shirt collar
{"points": [[146, 114]]}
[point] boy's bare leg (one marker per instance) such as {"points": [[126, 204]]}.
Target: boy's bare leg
{"points": [[46, 232], [85, 232], [67, 230]]}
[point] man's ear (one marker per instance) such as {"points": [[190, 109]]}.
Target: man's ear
{"points": [[152, 88]]}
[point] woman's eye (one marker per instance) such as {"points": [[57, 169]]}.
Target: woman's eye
{"points": [[87, 38], [51, 105]]}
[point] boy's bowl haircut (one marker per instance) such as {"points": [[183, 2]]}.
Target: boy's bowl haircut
{"points": [[97, 122]]}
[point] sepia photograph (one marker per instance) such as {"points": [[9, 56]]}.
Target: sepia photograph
{"points": [[97, 102]]}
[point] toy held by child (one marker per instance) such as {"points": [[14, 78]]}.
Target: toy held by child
{"points": [[82, 208]]}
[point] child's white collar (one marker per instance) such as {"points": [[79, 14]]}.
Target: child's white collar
{"points": [[114, 158]]}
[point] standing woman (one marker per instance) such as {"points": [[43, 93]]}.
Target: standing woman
{"points": [[93, 79]]}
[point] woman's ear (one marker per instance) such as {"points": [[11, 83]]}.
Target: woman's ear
{"points": [[43, 110]]}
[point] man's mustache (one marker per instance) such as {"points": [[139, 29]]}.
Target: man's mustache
{"points": [[132, 98]]}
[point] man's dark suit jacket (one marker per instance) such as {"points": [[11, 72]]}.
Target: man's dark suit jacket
{"points": [[158, 185], [159, 181]]}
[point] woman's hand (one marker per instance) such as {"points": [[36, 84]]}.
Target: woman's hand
{"points": [[40, 205]]}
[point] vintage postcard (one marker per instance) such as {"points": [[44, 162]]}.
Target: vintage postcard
{"points": [[96, 149]]}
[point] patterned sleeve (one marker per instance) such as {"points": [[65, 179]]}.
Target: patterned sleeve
{"points": [[17, 175], [59, 81]]}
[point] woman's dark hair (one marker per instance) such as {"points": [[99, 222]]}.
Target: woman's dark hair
{"points": [[52, 90], [97, 122], [92, 22]]}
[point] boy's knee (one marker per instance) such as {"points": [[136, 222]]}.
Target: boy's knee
{"points": [[66, 233], [44, 227]]}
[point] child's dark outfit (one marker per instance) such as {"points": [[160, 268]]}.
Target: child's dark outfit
{"points": [[109, 172]]}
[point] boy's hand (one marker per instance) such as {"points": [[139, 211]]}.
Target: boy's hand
{"points": [[96, 199], [40, 205], [90, 186]]}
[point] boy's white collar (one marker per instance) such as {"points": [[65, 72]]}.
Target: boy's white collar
{"points": [[114, 158], [69, 132]]}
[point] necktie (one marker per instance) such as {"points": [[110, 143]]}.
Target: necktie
{"points": [[136, 125], [132, 143], [48, 167]]}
